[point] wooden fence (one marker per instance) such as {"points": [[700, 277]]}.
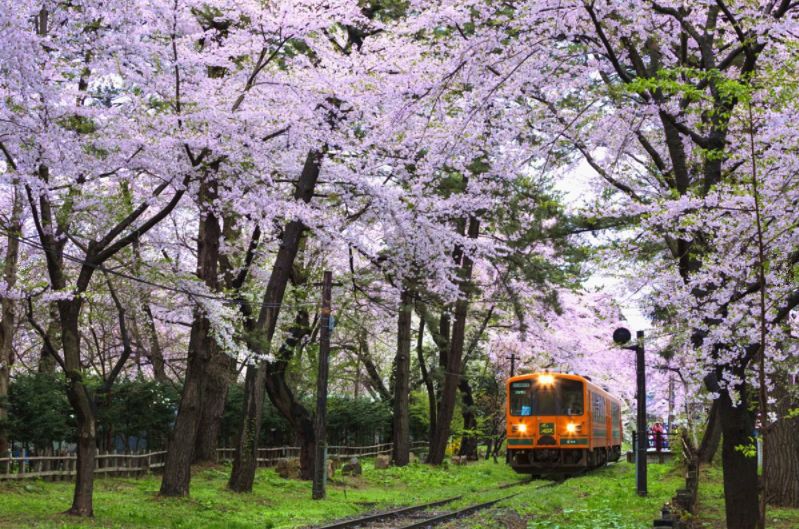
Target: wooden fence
{"points": [[62, 467]]}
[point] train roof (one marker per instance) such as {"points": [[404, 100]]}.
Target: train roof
{"points": [[570, 376]]}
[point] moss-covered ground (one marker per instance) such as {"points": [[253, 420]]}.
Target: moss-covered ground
{"points": [[602, 499]]}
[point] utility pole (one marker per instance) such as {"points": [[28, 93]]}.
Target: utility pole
{"points": [[512, 359], [643, 438], [623, 336], [320, 419]]}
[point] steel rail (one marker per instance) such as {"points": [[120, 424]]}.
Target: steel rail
{"points": [[441, 518], [396, 513], [379, 517]]}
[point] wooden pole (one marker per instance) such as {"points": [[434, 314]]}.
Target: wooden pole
{"points": [[320, 420]]}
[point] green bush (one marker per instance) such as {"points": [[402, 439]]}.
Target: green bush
{"points": [[138, 408], [39, 413]]}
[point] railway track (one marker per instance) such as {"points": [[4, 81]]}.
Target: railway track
{"points": [[424, 515]]}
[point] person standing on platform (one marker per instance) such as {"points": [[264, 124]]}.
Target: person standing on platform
{"points": [[657, 432]]}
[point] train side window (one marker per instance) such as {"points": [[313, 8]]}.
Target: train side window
{"points": [[598, 407], [615, 411], [615, 415]]}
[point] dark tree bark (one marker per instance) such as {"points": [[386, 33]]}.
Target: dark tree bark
{"points": [[202, 348], [219, 375], [740, 470], [453, 369], [782, 464], [83, 406], [712, 437], [402, 363], [262, 331], [469, 440], [8, 310], [242, 475]]}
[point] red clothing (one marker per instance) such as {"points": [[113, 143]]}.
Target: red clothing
{"points": [[658, 431]]}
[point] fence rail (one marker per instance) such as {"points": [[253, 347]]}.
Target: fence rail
{"points": [[63, 466]]}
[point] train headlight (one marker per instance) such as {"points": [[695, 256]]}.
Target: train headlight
{"points": [[571, 428], [522, 428], [546, 380]]}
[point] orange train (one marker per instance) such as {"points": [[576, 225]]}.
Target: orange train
{"points": [[560, 423]]}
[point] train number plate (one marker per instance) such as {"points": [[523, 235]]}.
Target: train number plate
{"points": [[574, 441], [546, 428]]}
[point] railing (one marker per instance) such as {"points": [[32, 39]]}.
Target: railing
{"points": [[669, 440], [58, 467], [62, 466]]}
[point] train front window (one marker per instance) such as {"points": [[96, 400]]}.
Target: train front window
{"points": [[520, 401], [563, 397], [571, 397]]}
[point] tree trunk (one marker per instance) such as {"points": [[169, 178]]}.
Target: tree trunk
{"points": [[47, 362], [307, 441], [245, 463], [740, 470], [782, 445], [452, 374], [50, 229], [373, 375], [180, 449], [261, 332], [712, 437], [283, 398], [7, 313], [83, 406], [427, 379], [782, 464], [469, 439], [401, 419], [154, 351], [218, 378]]}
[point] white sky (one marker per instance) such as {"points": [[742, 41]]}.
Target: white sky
{"points": [[576, 186]]}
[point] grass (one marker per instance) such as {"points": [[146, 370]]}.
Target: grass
{"points": [[711, 504], [603, 499], [274, 503]]}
